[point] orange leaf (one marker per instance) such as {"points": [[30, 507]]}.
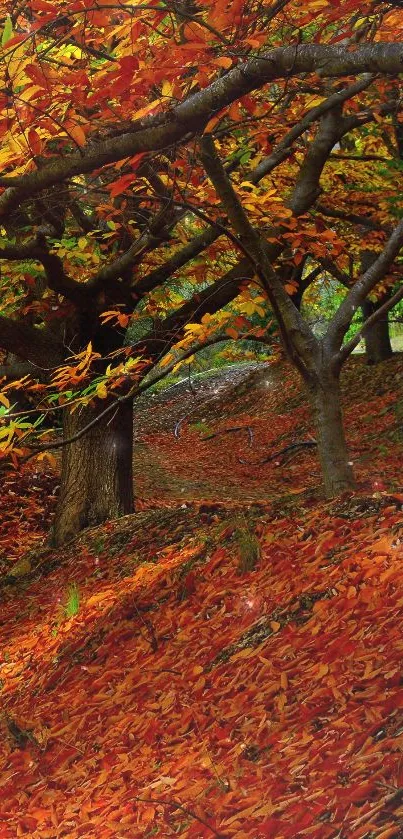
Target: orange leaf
{"points": [[76, 132], [223, 61]]}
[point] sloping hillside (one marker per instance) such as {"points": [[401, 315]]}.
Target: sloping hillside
{"points": [[226, 662]]}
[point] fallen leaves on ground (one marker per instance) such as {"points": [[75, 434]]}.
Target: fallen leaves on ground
{"points": [[185, 698]]}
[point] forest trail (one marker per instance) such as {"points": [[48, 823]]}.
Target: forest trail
{"points": [[202, 406], [185, 448]]}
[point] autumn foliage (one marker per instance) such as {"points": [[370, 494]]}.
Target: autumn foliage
{"points": [[227, 660]]}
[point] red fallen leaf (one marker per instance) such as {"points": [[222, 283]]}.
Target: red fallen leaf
{"points": [[222, 732], [189, 583], [271, 827], [28, 823]]}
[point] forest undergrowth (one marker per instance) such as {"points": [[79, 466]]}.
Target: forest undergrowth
{"points": [[227, 661]]}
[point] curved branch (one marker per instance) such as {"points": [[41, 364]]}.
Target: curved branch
{"points": [[304, 444], [57, 280], [280, 153]]}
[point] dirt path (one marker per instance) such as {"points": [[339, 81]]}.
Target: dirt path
{"points": [[207, 394], [173, 462]]}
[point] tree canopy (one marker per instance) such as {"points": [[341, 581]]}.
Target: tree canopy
{"points": [[160, 160]]}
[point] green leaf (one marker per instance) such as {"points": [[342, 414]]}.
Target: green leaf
{"points": [[7, 31]]}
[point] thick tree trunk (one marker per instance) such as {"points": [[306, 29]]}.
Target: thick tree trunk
{"points": [[97, 476], [337, 471], [377, 340]]}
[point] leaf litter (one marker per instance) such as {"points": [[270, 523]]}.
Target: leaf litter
{"points": [[188, 695]]}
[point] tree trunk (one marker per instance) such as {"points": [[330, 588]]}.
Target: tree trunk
{"points": [[337, 470], [377, 341], [97, 474]]}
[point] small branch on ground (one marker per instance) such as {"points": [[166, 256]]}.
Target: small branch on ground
{"points": [[305, 444], [175, 805], [230, 431]]}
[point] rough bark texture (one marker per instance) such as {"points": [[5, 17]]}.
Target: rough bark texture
{"points": [[377, 340], [97, 477], [337, 471]]}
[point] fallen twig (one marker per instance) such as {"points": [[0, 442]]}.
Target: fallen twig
{"points": [[230, 430], [175, 805], [305, 444]]}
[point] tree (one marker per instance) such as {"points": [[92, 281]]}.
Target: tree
{"points": [[105, 198]]}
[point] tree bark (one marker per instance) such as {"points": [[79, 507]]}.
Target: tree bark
{"points": [[377, 340], [337, 470], [97, 475]]}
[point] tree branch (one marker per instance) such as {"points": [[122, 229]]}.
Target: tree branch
{"points": [[57, 280], [386, 307], [354, 218], [284, 148], [341, 321], [295, 332], [280, 153], [162, 130], [30, 343], [134, 391]]}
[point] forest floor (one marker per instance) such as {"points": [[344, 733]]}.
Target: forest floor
{"points": [[226, 662]]}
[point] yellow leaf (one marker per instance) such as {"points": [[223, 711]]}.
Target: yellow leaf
{"points": [[143, 112], [167, 88], [76, 132], [275, 625], [167, 360], [248, 651], [322, 671], [101, 391], [314, 101], [4, 401], [193, 327]]}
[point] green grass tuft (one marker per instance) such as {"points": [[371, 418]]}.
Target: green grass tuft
{"points": [[73, 601], [248, 546]]}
